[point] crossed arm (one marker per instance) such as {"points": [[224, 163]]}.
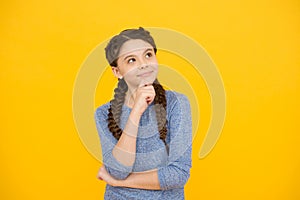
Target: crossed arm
{"points": [[174, 175], [145, 180]]}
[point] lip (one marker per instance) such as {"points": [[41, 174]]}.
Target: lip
{"points": [[145, 74]]}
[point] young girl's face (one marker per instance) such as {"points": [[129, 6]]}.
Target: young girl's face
{"points": [[137, 63]]}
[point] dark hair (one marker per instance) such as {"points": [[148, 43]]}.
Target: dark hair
{"points": [[113, 47], [114, 112]]}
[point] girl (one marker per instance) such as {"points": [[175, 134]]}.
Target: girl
{"points": [[145, 131]]}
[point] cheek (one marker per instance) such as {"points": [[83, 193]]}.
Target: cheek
{"points": [[154, 65], [130, 72], [154, 57], [123, 69], [153, 60]]}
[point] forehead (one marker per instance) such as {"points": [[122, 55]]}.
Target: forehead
{"points": [[134, 45]]}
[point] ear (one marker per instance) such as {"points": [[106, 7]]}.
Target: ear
{"points": [[116, 72]]}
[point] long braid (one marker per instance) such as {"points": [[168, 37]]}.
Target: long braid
{"points": [[160, 103], [115, 109]]}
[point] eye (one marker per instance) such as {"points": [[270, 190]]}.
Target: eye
{"points": [[131, 60], [148, 55]]}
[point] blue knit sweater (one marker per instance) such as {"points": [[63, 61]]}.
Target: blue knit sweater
{"points": [[172, 161]]}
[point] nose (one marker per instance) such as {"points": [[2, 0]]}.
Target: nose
{"points": [[143, 66], [143, 62]]}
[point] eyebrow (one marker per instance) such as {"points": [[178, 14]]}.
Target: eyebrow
{"points": [[133, 55]]}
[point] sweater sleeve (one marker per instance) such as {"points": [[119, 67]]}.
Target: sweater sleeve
{"points": [[108, 142], [177, 171]]}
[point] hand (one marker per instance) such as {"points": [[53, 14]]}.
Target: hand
{"points": [[144, 97], [105, 176]]}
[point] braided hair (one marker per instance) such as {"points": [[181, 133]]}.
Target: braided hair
{"points": [[115, 110]]}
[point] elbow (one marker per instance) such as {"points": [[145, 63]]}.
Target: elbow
{"points": [[116, 174], [173, 178], [180, 180], [116, 169], [184, 179]]}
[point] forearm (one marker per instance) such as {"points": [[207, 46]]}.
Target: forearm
{"points": [[143, 180], [125, 149]]}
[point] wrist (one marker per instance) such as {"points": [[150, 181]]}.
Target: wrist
{"points": [[119, 183], [135, 115]]}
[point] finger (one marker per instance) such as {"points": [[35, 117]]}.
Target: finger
{"points": [[143, 84], [99, 177], [149, 99], [148, 95], [147, 89]]}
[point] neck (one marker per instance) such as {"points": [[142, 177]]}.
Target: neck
{"points": [[130, 98]]}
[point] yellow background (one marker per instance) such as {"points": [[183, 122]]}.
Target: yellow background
{"points": [[255, 45]]}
